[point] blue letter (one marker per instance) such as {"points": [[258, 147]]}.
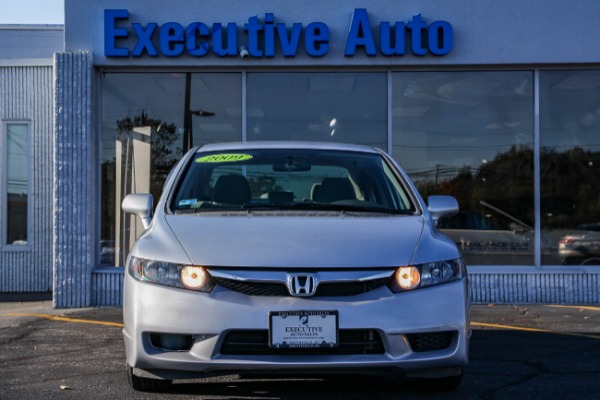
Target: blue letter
{"points": [[289, 44], [253, 27], [385, 39], [217, 40], [111, 33], [360, 34], [416, 26], [269, 35], [195, 31], [171, 39], [144, 39], [316, 39], [440, 38]]}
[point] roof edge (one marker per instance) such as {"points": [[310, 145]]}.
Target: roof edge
{"points": [[32, 27]]}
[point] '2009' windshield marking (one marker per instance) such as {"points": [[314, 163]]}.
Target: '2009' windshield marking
{"points": [[217, 158]]}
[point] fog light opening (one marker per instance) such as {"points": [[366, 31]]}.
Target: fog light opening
{"points": [[171, 342]]}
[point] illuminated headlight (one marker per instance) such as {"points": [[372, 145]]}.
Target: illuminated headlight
{"points": [[164, 273], [417, 276]]}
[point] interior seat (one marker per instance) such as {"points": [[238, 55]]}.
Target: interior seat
{"points": [[232, 189], [334, 189], [281, 197]]}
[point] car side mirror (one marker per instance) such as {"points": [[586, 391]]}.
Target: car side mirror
{"points": [[139, 204], [441, 206]]}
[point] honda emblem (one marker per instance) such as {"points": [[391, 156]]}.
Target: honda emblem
{"points": [[302, 285]]}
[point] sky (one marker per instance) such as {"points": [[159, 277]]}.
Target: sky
{"points": [[32, 12]]}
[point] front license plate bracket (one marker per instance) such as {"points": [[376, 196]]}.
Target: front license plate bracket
{"points": [[303, 329]]}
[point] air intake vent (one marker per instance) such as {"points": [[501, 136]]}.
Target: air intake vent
{"points": [[421, 342]]}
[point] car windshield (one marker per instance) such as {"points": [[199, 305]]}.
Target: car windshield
{"points": [[290, 179]]}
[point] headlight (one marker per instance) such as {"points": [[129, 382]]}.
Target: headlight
{"points": [[164, 273], [417, 276]]}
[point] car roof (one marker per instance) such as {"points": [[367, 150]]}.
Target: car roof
{"points": [[231, 146]]}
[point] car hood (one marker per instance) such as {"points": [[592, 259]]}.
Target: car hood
{"points": [[297, 242]]}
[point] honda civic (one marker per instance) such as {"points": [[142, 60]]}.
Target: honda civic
{"points": [[292, 257]]}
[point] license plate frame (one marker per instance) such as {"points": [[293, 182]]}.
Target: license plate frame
{"points": [[309, 329]]}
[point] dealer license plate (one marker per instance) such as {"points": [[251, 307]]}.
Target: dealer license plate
{"points": [[303, 329]]}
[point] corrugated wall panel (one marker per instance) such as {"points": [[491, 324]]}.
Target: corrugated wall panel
{"points": [[74, 194], [535, 288], [26, 94], [107, 288]]}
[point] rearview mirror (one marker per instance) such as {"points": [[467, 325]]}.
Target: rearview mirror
{"points": [[291, 165]]}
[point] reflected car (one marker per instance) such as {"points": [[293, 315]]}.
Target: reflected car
{"points": [[489, 235], [581, 247], [107, 253], [269, 258]]}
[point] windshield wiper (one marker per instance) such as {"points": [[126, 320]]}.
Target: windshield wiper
{"points": [[315, 206]]}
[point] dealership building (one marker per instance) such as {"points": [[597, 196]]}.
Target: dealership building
{"points": [[494, 102]]}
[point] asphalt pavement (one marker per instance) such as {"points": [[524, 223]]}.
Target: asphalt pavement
{"points": [[517, 352]]}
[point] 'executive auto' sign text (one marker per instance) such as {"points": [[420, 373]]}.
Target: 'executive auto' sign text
{"points": [[261, 37]]}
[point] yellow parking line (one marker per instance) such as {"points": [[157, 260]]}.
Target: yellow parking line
{"points": [[509, 327], [518, 328], [589, 308], [65, 319]]}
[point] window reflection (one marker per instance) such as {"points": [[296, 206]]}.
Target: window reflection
{"points": [[470, 135], [570, 166], [324, 107], [17, 183], [148, 121]]}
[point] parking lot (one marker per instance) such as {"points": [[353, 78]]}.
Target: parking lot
{"points": [[517, 352]]}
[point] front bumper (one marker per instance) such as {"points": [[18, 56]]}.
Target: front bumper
{"points": [[208, 318]]}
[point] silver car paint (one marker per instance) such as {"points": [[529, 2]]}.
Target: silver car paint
{"points": [[297, 241]]}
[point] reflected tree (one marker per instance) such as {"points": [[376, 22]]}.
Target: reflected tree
{"points": [[164, 141], [569, 187]]}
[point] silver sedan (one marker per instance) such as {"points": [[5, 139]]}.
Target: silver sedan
{"points": [[292, 258]]}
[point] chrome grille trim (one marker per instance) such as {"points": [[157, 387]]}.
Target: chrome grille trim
{"points": [[277, 282]]}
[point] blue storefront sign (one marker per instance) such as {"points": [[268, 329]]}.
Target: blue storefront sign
{"points": [[261, 36]]}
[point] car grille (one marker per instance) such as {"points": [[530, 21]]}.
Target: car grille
{"points": [[281, 290], [431, 341], [256, 342]]}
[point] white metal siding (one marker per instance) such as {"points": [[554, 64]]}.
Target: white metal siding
{"points": [[26, 94]]}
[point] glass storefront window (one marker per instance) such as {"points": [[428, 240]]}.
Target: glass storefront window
{"points": [[467, 134], [325, 107], [570, 166], [470, 135], [17, 183], [148, 121]]}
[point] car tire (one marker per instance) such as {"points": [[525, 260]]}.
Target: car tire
{"points": [[146, 384], [441, 384]]}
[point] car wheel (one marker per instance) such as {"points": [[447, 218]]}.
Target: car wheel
{"points": [[441, 384], [146, 384], [591, 261]]}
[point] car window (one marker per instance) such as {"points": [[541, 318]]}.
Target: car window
{"points": [[290, 179]]}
